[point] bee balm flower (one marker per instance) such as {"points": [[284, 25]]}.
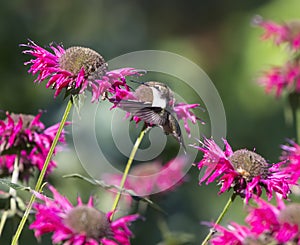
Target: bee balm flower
{"points": [[25, 137], [288, 32], [76, 69], [82, 224], [266, 224], [246, 172]]}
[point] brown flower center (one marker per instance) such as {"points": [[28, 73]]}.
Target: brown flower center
{"points": [[291, 214], [76, 58], [262, 239], [88, 220], [249, 164]]}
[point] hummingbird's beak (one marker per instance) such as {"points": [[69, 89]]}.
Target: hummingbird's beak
{"points": [[138, 82]]}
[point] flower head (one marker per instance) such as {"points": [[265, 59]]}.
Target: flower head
{"points": [[273, 79], [183, 112], [153, 177], [76, 69], [81, 225], [287, 76], [25, 138], [279, 78], [291, 154], [288, 32], [282, 221], [235, 234], [246, 172], [266, 224], [240, 235]]}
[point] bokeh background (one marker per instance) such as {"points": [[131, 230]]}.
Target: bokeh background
{"points": [[216, 35]]}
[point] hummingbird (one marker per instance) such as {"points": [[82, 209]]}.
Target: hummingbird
{"points": [[154, 105]]}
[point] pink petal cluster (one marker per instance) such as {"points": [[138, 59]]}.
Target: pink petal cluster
{"points": [[291, 154], [281, 33], [153, 177], [183, 112], [282, 221], [267, 224], [217, 165], [46, 65], [279, 78], [26, 136], [51, 217], [287, 76], [235, 234], [114, 82]]}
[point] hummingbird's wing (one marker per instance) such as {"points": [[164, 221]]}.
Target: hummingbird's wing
{"points": [[144, 111], [154, 115]]}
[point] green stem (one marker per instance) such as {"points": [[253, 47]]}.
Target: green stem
{"points": [[14, 180], [12, 195], [4, 217], [164, 229], [221, 216], [42, 174], [126, 171]]}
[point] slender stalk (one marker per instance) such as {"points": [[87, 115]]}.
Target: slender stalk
{"points": [[12, 195], [221, 216], [126, 171], [42, 174], [164, 229], [4, 217], [14, 180]]}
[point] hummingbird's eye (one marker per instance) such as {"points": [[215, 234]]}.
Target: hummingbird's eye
{"points": [[92, 69]]}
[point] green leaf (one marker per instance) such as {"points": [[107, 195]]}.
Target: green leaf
{"points": [[79, 176], [15, 186]]}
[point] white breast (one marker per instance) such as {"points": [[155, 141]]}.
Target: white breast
{"points": [[158, 101]]}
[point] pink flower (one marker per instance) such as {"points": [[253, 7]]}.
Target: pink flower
{"points": [[81, 225], [26, 136], [246, 172], [150, 178], [281, 221], [183, 112], [266, 224], [272, 30], [273, 79], [287, 76], [291, 154], [235, 235], [280, 78], [281, 33], [76, 69]]}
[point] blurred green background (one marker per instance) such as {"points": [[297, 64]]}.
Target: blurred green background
{"points": [[216, 35]]}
